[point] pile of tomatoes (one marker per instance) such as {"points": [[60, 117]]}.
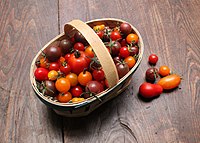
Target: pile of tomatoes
{"points": [[71, 72], [158, 80]]}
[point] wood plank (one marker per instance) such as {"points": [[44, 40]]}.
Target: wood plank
{"points": [[25, 26], [171, 30]]}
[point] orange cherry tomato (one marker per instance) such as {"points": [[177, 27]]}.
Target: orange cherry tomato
{"points": [[64, 97], [164, 70], [73, 79], [53, 75], [84, 77], [132, 38], [89, 52], [170, 82], [130, 61], [62, 84], [44, 62]]}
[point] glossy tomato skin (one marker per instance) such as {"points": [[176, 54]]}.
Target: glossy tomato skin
{"points": [[122, 69], [94, 87], [151, 75], [84, 77], [98, 74], [77, 91], [78, 62], [65, 69], [170, 82], [124, 52], [54, 66], [114, 47], [50, 89], [66, 46], [148, 90], [62, 85], [153, 58], [164, 70], [125, 28], [115, 35], [41, 74], [80, 38], [53, 53], [64, 97], [79, 46]]}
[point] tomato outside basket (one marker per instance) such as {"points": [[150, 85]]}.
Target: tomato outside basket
{"points": [[116, 85]]}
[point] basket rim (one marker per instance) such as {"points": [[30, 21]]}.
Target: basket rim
{"points": [[89, 100]]}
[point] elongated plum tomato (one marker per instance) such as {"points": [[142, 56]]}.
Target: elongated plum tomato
{"points": [[78, 61], [41, 74], [149, 90], [170, 82]]}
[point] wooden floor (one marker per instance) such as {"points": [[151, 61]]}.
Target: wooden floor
{"points": [[170, 28]]}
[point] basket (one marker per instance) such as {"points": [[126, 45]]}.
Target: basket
{"points": [[116, 86]]}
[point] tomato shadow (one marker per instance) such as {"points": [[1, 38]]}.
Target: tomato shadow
{"points": [[141, 98]]}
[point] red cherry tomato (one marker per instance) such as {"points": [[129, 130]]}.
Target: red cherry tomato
{"points": [[54, 66], [79, 46], [78, 61], [149, 90], [65, 69], [76, 91], [153, 58], [41, 74], [115, 35], [124, 52], [67, 57], [98, 74]]}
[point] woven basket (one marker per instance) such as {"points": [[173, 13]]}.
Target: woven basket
{"points": [[116, 86]]}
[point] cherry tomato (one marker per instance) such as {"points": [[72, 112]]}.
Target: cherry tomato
{"points": [[122, 69], [73, 79], [134, 50], [53, 75], [66, 46], [123, 42], [149, 90], [41, 74], [164, 70], [49, 88], [115, 35], [99, 27], [78, 61], [130, 61], [170, 82], [67, 57], [94, 87], [77, 100], [76, 91], [100, 34], [117, 59], [53, 53], [64, 97], [125, 28], [79, 46], [132, 38], [153, 58], [62, 84], [124, 52], [151, 74], [114, 47], [43, 62], [84, 77], [98, 74], [65, 68], [89, 52], [79, 38], [54, 66]]}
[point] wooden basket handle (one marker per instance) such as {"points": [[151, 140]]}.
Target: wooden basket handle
{"points": [[99, 48]]}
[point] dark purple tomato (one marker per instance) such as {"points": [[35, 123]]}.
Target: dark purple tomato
{"points": [[78, 37], [134, 50], [117, 59], [93, 87], [122, 69], [151, 75], [53, 53], [66, 46], [49, 88], [107, 31], [125, 28], [114, 46]]}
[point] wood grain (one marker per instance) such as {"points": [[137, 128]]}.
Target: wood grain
{"points": [[25, 26], [170, 28]]}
